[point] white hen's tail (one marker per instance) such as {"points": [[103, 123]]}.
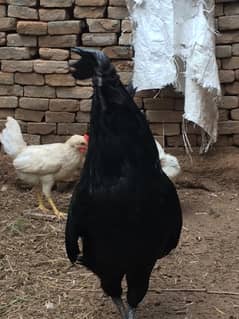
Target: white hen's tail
{"points": [[11, 138], [169, 163]]}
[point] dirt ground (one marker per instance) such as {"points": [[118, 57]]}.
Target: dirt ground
{"points": [[199, 280]]}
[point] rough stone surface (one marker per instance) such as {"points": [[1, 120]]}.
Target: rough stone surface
{"points": [[29, 115], [7, 24], [75, 92], [58, 41], [13, 53], [60, 80], [64, 27], [39, 91], [34, 103], [45, 67], [89, 12], [8, 102], [56, 3], [22, 12], [103, 25], [32, 27], [223, 51], [13, 90], [17, 40], [99, 39], [53, 14], [59, 117], [64, 105], [54, 54], [41, 128], [96, 3], [6, 78], [71, 129], [25, 3], [226, 76], [29, 78], [17, 66]]}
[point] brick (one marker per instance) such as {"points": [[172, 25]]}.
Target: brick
{"points": [[54, 54], [164, 116], [228, 22], [12, 53], [126, 26], [39, 91], [177, 141], [46, 67], [60, 80], [26, 3], [29, 78], [219, 10], [99, 39], [53, 14], [87, 82], [118, 52], [236, 139], [232, 89], [59, 117], [89, 12], [223, 51], [83, 117], [29, 115], [230, 64], [116, 3], [49, 139], [85, 105], [71, 129], [235, 49], [41, 128], [228, 37], [22, 12], [8, 102], [169, 129], [31, 139], [124, 65], [32, 27], [3, 39], [56, 3], [3, 11], [93, 3], [159, 103], [237, 74], [224, 140], [30, 103], [64, 27], [64, 105], [17, 66], [8, 24], [58, 41], [125, 39], [14, 90], [231, 8], [125, 77], [75, 92], [229, 102], [103, 25], [226, 76], [179, 104], [223, 115], [228, 127], [6, 78], [235, 114], [4, 113], [117, 12], [16, 40]]}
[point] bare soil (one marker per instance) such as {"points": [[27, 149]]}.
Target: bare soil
{"points": [[199, 280]]}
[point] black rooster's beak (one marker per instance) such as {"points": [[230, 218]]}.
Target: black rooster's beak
{"points": [[84, 68]]}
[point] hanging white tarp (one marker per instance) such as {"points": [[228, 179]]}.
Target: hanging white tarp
{"points": [[174, 43]]}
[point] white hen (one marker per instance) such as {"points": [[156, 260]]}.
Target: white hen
{"points": [[43, 164], [169, 163]]}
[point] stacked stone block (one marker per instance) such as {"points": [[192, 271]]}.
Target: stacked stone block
{"points": [[38, 90]]}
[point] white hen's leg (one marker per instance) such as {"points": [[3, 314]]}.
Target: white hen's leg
{"points": [[41, 205], [58, 213]]}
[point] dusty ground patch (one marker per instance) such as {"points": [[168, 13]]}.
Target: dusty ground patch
{"points": [[36, 281]]}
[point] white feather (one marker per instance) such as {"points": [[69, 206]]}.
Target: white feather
{"points": [[169, 163], [11, 138]]}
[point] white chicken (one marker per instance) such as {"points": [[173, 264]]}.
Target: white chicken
{"points": [[43, 164], [169, 163]]}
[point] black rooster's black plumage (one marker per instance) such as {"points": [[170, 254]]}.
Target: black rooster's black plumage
{"points": [[124, 208]]}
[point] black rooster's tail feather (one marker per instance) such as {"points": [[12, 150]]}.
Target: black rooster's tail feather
{"points": [[71, 238]]}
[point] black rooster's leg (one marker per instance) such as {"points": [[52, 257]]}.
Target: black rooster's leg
{"points": [[120, 306], [131, 313]]}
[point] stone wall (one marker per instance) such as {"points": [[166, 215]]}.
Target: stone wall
{"points": [[37, 89]]}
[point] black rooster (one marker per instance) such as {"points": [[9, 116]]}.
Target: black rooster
{"points": [[125, 209]]}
